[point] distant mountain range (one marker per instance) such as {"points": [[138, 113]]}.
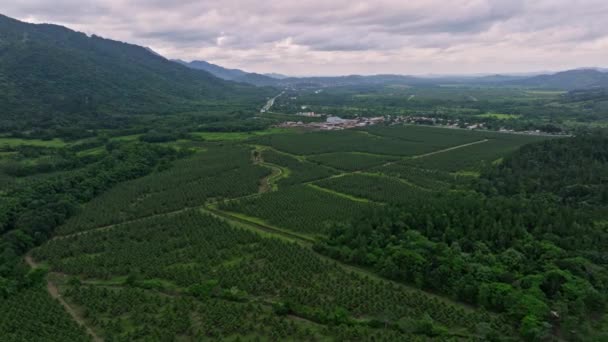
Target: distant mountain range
{"points": [[235, 75], [47, 69], [567, 80]]}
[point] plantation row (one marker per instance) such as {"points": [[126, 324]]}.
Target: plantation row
{"points": [[437, 137], [349, 161], [298, 171], [220, 172], [33, 312], [469, 158], [227, 277], [374, 187], [300, 208], [343, 141], [425, 178]]}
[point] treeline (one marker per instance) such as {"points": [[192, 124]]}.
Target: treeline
{"points": [[29, 214], [575, 170], [525, 249]]}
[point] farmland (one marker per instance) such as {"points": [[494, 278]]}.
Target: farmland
{"points": [[151, 199], [247, 238], [254, 286]]}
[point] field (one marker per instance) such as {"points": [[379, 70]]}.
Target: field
{"points": [[153, 200], [351, 161], [496, 107], [195, 276], [473, 157], [13, 142], [237, 240], [219, 172], [378, 188], [303, 209], [232, 136], [295, 170]]}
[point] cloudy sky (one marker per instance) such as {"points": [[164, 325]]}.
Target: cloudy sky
{"points": [[333, 37]]}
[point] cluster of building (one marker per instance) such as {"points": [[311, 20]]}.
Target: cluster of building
{"points": [[310, 114], [333, 123]]}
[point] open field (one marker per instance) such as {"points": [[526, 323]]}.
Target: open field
{"points": [[237, 136], [13, 142]]}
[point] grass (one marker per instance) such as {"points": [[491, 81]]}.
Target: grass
{"points": [[131, 137], [13, 142]]}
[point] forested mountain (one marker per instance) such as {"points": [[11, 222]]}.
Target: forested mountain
{"points": [[567, 80], [47, 71]]}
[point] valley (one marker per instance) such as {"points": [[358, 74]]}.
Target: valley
{"points": [[144, 198]]}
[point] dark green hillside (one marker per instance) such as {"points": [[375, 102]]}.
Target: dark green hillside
{"points": [[574, 169], [49, 71], [568, 80]]}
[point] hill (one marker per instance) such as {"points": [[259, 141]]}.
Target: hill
{"points": [[48, 71], [235, 75], [568, 80], [216, 70], [583, 78]]}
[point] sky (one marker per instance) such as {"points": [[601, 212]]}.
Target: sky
{"points": [[340, 37]]}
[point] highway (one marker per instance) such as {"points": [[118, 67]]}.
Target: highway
{"points": [[270, 103]]}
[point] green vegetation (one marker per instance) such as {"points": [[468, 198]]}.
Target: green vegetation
{"points": [[518, 108], [7, 142], [144, 201], [255, 286], [374, 187], [238, 136], [349, 161], [383, 141], [32, 315], [302, 209], [99, 83], [473, 157], [296, 170], [217, 173]]}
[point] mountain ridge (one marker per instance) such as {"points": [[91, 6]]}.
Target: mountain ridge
{"points": [[48, 69], [581, 78]]}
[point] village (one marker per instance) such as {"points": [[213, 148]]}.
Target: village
{"points": [[332, 123]]}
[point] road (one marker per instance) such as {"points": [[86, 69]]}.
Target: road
{"points": [[54, 292], [270, 103]]}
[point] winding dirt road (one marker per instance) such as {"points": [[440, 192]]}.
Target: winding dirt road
{"points": [[54, 292]]}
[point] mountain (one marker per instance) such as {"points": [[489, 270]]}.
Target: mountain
{"points": [[216, 70], [567, 80], [235, 75], [277, 76], [47, 71]]}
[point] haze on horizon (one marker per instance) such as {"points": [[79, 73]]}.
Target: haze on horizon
{"points": [[348, 37]]}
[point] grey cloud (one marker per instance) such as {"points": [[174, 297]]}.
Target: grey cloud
{"points": [[346, 36]]}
